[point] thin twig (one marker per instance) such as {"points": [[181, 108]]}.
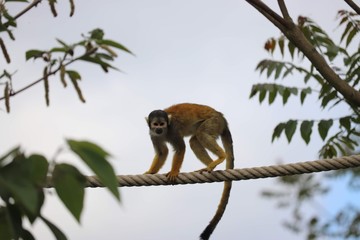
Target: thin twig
{"points": [[284, 10], [30, 6], [353, 5], [273, 17], [49, 74]]}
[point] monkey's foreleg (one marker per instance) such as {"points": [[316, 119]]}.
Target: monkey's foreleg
{"points": [[176, 165], [159, 159]]}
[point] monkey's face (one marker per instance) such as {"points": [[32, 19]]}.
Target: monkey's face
{"points": [[158, 127], [158, 122]]}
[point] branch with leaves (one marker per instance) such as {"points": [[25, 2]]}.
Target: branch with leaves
{"points": [[343, 140], [23, 178], [340, 135], [94, 49], [295, 33]]}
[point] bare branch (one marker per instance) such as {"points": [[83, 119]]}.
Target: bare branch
{"points": [[25, 10], [353, 5], [273, 17], [12, 94], [284, 10], [30, 6]]}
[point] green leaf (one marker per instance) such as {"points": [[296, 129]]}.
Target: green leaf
{"points": [[323, 127], [66, 46], [73, 75], [59, 235], [290, 128], [6, 231], [69, 185], [22, 189], [114, 44], [278, 70], [281, 45], [58, 49], [12, 153], [95, 157], [253, 92], [307, 77], [303, 94], [277, 131], [272, 96], [348, 27], [14, 215], [306, 130], [291, 47], [287, 72], [348, 142], [97, 60], [293, 90], [340, 148], [38, 168], [270, 69], [33, 54], [346, 123], [286, 95], [351, 36], [262, 95], [97, 34], [327, 98]]}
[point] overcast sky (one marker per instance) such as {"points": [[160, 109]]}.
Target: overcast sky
{"points": [[201, 51]]}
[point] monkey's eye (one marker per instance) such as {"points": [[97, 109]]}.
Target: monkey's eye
{"points": [[162, 124]]}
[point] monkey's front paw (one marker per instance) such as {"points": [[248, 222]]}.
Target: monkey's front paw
{"points": [[172, 176]]}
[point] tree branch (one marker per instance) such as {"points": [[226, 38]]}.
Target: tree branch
{"points": [[12, 94], [296, 36], [25, 10], [353, 5], [30, 6], [272, 16], [284, 10]]}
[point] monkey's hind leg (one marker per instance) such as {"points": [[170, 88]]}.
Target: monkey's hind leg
{"points": [[206, 135], [199, 151]]}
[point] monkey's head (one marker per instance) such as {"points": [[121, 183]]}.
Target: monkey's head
{"points": [[158, 121]]}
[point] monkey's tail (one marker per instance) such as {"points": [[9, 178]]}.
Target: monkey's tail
{"points": [[228, 145]]}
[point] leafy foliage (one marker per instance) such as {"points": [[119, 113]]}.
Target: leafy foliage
{"points": [[22, 177], [340, 135], [327, 95], [22, 182], [93, 48]]}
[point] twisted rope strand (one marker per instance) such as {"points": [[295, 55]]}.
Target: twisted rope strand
{"points": [[232, 174]]}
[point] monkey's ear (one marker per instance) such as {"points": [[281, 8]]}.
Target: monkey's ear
{"points": [[147, 120], [169, 119]]}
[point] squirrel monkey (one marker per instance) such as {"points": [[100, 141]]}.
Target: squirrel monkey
{"points": [[204, 124]]}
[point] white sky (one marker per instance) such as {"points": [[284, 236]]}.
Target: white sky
{"points": [[202, 51]]}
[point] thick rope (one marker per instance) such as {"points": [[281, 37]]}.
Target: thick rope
{"points": [[233, 174]]}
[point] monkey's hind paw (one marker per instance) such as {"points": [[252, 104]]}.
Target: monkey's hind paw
{"points": [[207, 169]]}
